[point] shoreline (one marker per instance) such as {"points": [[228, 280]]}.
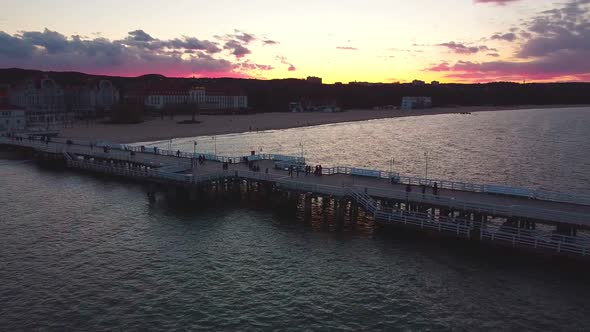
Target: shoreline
{"points": [[158, 129]]}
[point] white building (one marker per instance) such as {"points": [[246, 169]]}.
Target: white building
{"points": [[160, 98], [226, 99], [197, 95], [12, 118], [410, 103], [222, 99]]}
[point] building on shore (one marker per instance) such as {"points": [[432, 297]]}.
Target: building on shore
{"points": [[410, 103], [92, 98], [225, 99], [163, 97], [12, 118], [49, 104], [206, 99], [43, 100]]}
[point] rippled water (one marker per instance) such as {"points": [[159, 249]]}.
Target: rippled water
{"points": [[81, 252], [540, 148]]}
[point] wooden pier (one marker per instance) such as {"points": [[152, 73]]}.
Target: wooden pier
{"points": [[516, 217]]}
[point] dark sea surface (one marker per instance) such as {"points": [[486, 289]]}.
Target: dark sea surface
{"points": [[83, 252]]}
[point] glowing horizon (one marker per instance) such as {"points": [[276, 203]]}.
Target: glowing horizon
{"points": [[377, 41]]}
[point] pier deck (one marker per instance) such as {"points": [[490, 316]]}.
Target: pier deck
{"points": [[463, 207]]}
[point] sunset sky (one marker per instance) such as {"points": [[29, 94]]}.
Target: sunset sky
{"points": [[344, 40]]}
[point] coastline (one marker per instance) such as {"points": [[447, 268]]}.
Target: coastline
{"points": [[158, 129]]}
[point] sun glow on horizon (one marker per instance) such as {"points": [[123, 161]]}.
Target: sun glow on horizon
{"points": [[377, 41]]}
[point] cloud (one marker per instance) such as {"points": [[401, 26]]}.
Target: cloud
{"points": [[249, 66], [347, 48], [138, 35], [237, 43], [443, 66], [557, 48], [191, 43], [510, 37], [463, 49], [496, 2], [15, 47], [407, 50], [284, 61], [236, 48], [571, 68], [244, 37], [563, 29], [137, 54]]}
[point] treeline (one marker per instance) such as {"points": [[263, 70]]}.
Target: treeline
{"points": [[275, 95]]}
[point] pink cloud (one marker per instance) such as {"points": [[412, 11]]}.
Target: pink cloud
{"points": [[463, 49], [137, 54], [496, 2], [555, 47], [347, 48], [284, 61]]}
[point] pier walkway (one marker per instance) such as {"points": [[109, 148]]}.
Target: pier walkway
{"points": [[522, 217]]}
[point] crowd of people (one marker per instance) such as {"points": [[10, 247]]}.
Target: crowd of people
{"points": [[297, 169]]}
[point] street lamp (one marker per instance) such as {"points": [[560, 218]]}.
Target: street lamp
{"points": [[426, 157], [301, 146], [215, 143], [194, 147], [391, 165]]}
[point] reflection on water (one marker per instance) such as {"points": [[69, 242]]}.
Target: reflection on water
{"points": [[545, 148]]}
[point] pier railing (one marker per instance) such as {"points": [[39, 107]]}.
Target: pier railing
{"points": [[456, 226], [184, 158], [493, 209], [462, 186], [579, 245]]}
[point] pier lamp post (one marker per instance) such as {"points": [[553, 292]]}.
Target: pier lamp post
{"points": [[391, 165], [215, 144], [301, 146], [194, 147], [426, 157]]}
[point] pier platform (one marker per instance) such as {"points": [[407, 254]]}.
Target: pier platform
{"points": [[518, 217]]}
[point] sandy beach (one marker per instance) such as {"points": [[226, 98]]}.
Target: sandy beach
{"points": [[158, 129]]}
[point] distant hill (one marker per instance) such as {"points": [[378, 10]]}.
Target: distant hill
{"points": [[275, 95], [152, 77]]}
